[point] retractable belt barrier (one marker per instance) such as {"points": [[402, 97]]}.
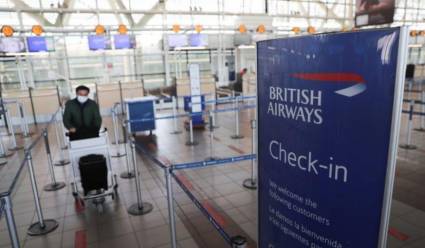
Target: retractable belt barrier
{"points": [[191, 114], [168, 167], [204, 211], [42, 226]]}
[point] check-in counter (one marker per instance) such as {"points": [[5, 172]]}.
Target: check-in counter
{"points": [[45, 103], [207, 87], [108, 94]]}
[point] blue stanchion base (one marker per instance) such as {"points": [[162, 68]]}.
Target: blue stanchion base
{"points": [[408, 147], [420, 129], [36, 229], [250, 184], [237, 136], [136, 210], [62, 162], [127, 175], [54, 186]]}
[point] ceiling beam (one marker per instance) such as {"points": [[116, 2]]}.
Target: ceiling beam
{"points": [[113, 5], [159, 7], [128, 16], [63, 17], [21, 5]]}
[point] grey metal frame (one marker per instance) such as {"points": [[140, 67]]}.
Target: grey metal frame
{"points": [[395, 128]]}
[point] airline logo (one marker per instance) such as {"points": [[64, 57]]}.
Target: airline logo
{"points": [[357, 84]]}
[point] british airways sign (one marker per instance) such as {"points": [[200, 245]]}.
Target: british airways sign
{"points": [[328, 107]]}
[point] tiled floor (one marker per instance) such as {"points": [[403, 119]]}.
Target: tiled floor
{"points": [[217, 188]]}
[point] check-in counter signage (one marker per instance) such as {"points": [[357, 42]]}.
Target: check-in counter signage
{"points": [[328, 107]]}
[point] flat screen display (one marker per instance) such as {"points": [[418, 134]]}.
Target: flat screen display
{"points": [[242, 39], [37, 44], [123, 41], [99, 42], [198, 40], [177, 40], [12, 45]]}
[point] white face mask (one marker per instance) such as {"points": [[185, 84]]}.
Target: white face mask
{"points": [[82, 99]]}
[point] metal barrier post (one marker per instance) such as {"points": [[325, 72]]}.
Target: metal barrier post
{"points": [[121, 97], [54, 185], [24, 123], [409, 146], [422, 127], [139, 208], [170, 202], [238, 242], [214, 117], [15, 146], [128, 174], [116, 139], [64, 145], [190, 142], [237, 135], [175, 128], [62, 161], [211, 129], [42, 226], [4, 153], [11, 224], [251, 183], [30, 89]]}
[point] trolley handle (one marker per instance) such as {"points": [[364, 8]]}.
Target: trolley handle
{"points": [[104, 130]]}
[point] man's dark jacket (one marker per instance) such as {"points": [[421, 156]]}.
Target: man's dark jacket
{"points": [[85, 118]]}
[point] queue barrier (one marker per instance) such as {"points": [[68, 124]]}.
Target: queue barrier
{"points": [[169, 168], [42, 226], [191, 141]]}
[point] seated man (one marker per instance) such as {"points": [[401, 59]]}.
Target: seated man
{"points": [[82, 117]]}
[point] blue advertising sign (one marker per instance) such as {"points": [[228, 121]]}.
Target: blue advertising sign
{"points": [[37, 44], [328, 115]]}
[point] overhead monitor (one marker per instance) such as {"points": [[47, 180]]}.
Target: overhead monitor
{"points": [[99, 42], [40, 44], [12, 45], [242, 39], [374, 12], [177, 40], [198, 40], [124, 41]]}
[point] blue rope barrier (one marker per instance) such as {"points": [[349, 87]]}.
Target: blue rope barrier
{"points": [[224, 99], [149, 155], [210, 218], [191, 114], [201, 164]]}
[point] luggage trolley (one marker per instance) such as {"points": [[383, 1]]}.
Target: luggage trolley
{"points": [[80, 148]]}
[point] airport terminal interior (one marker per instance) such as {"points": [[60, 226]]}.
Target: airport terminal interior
{"points": [[209, 123]]}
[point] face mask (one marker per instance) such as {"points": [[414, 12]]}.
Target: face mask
{"points": [[82, 99]]}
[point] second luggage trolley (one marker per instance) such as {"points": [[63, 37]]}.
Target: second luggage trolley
{"points": [[80, 148]]}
